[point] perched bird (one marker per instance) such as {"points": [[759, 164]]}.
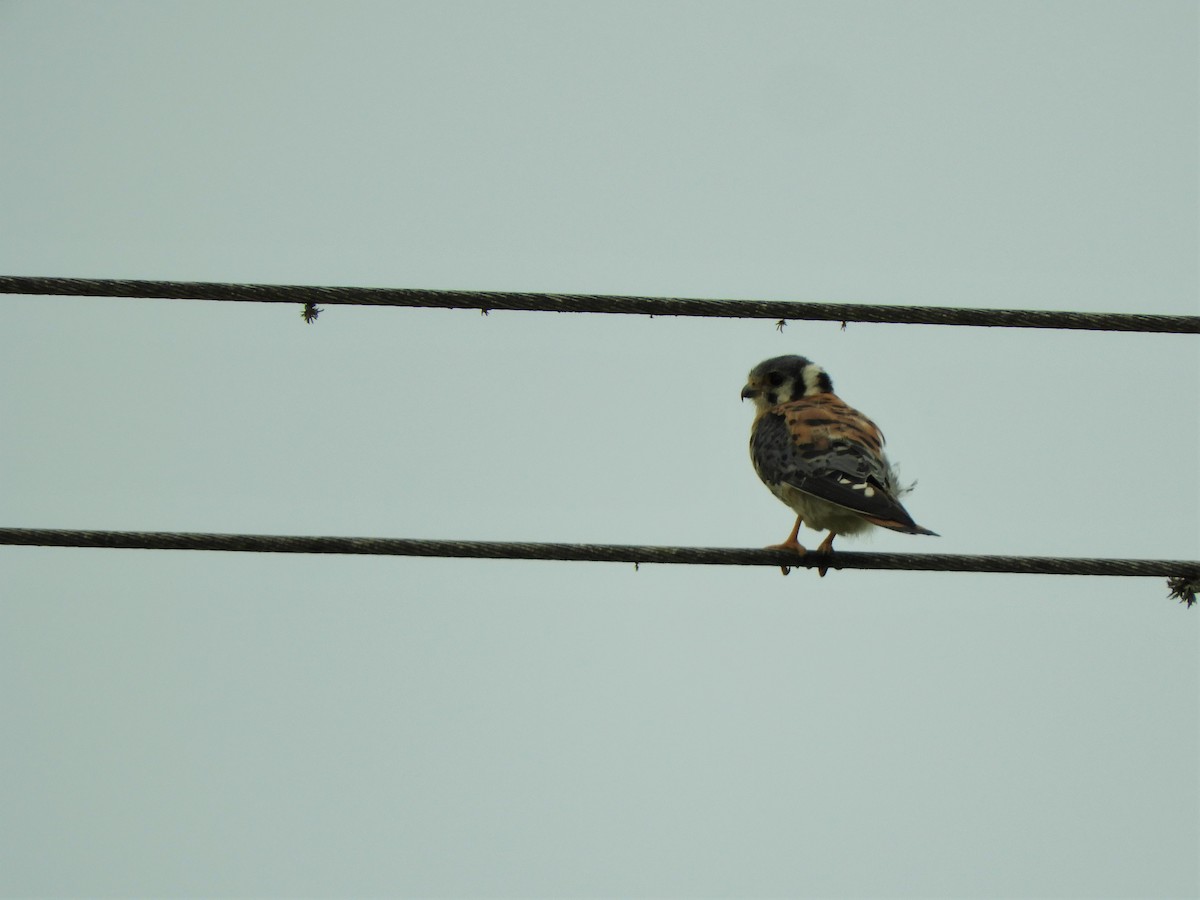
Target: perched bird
{"points": [[821, 457]]}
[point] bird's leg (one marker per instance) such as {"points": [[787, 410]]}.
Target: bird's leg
{"points": [[791, 544], [826, 547]]}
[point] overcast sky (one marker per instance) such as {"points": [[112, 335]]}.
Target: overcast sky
{"points": [[215, 724]]}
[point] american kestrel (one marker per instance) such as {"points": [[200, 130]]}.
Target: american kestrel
{"points": [[821, 457]]}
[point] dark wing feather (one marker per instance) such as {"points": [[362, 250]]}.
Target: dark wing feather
{"points": [[828, 465]]}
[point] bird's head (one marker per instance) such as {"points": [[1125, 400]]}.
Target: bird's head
{"points": [[783, 379]]}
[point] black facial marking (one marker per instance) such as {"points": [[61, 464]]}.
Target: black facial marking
{"points": [[821, 384], [772, 398]]}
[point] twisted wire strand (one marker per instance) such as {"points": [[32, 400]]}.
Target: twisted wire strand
{"points": [[624, 553], [310, 296]]}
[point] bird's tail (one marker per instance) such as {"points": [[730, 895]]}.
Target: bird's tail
{"points": [[909, 527]]}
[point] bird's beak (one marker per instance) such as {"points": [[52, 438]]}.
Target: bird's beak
{"points": [[749, 393]]}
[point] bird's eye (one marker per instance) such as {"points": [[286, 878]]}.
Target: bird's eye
{"points": [[774, 379]]}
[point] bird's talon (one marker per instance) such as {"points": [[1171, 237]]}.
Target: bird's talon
{"points": [[823, 566], [788, 545]]}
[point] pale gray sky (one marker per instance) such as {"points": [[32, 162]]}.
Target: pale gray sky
{"points": [[209, 724]]}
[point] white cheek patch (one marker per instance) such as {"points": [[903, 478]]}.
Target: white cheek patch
{"points": [[812, 375]]}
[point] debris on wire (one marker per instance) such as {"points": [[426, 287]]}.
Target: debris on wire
{"points": [[311, 311], [1183, 588]]}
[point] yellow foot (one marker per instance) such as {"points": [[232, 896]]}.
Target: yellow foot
{"points": [[825, 548], [791, 544]]}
